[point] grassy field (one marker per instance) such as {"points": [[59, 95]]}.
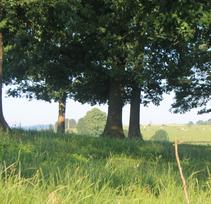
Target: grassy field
{"points": [[49, 168], [179, 132]]}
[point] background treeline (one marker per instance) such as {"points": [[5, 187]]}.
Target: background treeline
{"points": [[107, 51], [201, 122], [92, 124]]}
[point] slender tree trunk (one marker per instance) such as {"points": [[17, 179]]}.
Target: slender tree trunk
{"points": [[134, 125], [61, 116], [3, 123], [114, 126]]}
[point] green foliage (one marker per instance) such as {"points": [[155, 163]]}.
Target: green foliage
{"points": [[92, 123], [43, 167], [51, 47], [201, 122], [57, 49], [190, 123], [160, 135], [151, 45], [193, 89]]}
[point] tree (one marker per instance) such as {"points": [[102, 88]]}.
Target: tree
{"points": [[190, 123], [145, 68], [209, 122], [171, 50], [92, 123], [200, 122], [5, 16], [115, 37], [192, 89], [107, 67], [3, 123], [160, 135], [53, 52], [140, 41]]}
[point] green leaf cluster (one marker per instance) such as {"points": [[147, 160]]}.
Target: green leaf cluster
{"points": [[92, 123]]}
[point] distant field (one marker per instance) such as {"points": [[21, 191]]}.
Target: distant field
{"points": [[48, 168], [179, 132]]}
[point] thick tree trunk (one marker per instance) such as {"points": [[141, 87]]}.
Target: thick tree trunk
{"points": [[3, 123], [114, 126], [134, 124], [61, 116]]}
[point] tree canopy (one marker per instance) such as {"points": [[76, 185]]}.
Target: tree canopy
{"points": [[49, 50], [92, 123], [108, 51]]}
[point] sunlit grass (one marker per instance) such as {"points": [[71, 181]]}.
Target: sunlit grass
{"points": [[48, 168], [179, 132]]}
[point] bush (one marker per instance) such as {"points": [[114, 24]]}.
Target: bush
{"points": [[160, 135], [93, 123]]}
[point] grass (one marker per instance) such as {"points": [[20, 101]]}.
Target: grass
{"points": [[43, 167], [179, 132]]}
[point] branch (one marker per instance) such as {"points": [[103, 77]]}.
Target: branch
{"points": [[181, 174]]}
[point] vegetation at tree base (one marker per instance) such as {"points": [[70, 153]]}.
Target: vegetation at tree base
{"points": [[92, 124]]}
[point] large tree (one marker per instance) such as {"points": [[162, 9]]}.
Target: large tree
{"points": [[125, 31], [115, 36], [6, 15], [191, 77], [172, 57], [53, 51], [3, 123]]}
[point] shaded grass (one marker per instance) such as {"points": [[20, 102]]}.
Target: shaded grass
{"points": [[43, 167]]}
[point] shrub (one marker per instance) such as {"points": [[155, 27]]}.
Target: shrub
{"points": [[160, 135], [93, 123]]}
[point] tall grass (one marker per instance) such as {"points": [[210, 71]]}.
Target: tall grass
{"points": [[43, 167]]}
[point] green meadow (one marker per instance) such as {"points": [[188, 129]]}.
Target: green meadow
{"points": [[183, 133], [44, 167]]}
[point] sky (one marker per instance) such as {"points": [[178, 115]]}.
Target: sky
{"points": [[20, 112]]}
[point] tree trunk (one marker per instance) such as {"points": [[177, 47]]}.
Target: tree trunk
{"points": [[3, 123], [134, 125], [61, 116], [114, 126]]}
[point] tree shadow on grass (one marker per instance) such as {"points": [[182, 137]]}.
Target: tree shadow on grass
{"points": [[47, 150]]}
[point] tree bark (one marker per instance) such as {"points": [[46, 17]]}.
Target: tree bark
{"points": [[134, 124], [114, 127], [61, 116], [3, 123]]}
